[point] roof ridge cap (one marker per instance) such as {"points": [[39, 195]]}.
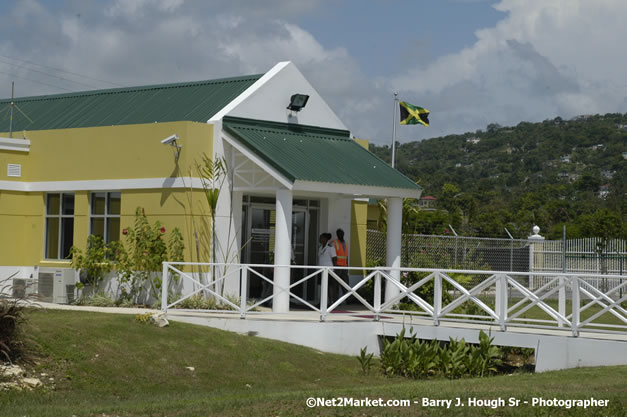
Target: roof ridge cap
{"points": [[118, 90]]}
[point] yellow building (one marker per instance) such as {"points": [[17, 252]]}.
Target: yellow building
{"points": [[81, 163]]}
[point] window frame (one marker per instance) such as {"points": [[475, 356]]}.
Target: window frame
{"points": [[60, 216], [106, 215]]}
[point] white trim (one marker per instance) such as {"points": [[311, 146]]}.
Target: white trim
{"points": [[355, 191], [19, 145], [102, 185], [249, 91], [258, 161], [255, 189]]}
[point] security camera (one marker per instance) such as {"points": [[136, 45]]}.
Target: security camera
{"points": [[170, 140]]}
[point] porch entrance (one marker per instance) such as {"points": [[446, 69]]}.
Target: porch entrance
{"points": [[258, 231]]}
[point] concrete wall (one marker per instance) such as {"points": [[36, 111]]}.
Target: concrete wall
{"points": [[552, 352]]}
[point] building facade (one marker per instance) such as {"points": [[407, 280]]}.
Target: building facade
{"points": [[82, 163]]}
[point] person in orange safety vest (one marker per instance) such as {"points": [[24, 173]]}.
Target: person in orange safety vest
{"points": [[341, 250]]}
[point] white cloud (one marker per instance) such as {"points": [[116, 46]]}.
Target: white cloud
{"points": [[547, 58]]}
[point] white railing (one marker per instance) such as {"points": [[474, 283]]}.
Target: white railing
{"points": [[500, 298]]}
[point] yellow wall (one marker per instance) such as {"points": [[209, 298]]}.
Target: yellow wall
{"points": [[359, 210], [101, 153], [110, 152], [187, 210], [21, 228], [374, 215], [362, 142]]}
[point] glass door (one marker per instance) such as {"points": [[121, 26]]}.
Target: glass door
{"points": [[259, 223]]}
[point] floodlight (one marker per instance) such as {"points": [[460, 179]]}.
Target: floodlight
{"points": [[298, 102]]}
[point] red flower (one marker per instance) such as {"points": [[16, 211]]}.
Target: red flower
{"points": [[146, 253], [124, 231], [446, 231], [162, 230]]}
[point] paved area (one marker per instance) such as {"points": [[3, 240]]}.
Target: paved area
{"points": [[345, 315]]}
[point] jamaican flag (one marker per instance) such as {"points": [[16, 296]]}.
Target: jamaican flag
{"points": [[412, 115]]}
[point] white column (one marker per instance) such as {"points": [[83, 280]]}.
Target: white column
{"points": [[230, 241], [393, 258], [282, 250]]}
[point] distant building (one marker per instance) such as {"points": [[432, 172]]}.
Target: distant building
{"points": [[604, 191], [607, 173], [427, 202], [473, 140]]}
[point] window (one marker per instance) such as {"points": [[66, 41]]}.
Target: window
{"points": [[59, 225], [105, 216]]}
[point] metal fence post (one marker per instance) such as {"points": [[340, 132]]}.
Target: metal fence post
{"points": [[437, 298], [377, 295], [561, 303], [575, 305], [324, 289], [242, 292], [164, 288], [501, 300]]}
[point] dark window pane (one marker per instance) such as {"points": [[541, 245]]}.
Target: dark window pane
{"points": [[67, 236], [53, 203], [113, 226], [98, 226], [52, 237], [114, 203], [98, 203], [68, 204]]}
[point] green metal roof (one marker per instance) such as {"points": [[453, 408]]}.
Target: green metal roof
{"points": [[311, 153], [190, 101]]}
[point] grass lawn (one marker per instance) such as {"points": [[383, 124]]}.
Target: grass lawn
{"points": [[110, 364]]}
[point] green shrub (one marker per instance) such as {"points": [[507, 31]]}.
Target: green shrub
{"points": [[365, 360], [413, 358], [14, 343], [143, 318], [96, 300]]}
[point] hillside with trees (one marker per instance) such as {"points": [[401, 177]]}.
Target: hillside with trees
{"points": [[552, 173]]}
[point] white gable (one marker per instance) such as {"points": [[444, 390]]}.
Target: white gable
{"points": [[268, 98]]}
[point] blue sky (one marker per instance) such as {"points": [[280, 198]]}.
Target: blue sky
{"points": [[384, 35], [471, 62]]}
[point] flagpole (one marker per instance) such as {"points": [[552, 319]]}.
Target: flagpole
{"points": [[394, 129]]}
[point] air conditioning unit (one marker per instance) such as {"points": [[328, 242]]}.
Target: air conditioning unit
{"points": [[23, 287], [56, 285]]}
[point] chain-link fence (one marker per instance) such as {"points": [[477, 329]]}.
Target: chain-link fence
{"points": [[515, 255], [452, 252]]}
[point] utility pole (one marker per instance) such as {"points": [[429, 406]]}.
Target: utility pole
{"points": [[11, 107]]}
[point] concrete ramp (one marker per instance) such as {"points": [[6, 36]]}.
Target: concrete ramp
{"points": [[347, 333]]}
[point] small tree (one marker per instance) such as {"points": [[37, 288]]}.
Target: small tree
{"points": [[140, 259], [95, 263], [212, 176]]}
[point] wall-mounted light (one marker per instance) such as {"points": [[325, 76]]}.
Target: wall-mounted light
{"points": [[171, 140], [298, 102]]}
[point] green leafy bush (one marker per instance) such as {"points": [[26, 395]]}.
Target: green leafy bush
{"points": [[138, 259], [414, 358], [365, 360], [143, 318], [14, 343], [95, 263]]}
